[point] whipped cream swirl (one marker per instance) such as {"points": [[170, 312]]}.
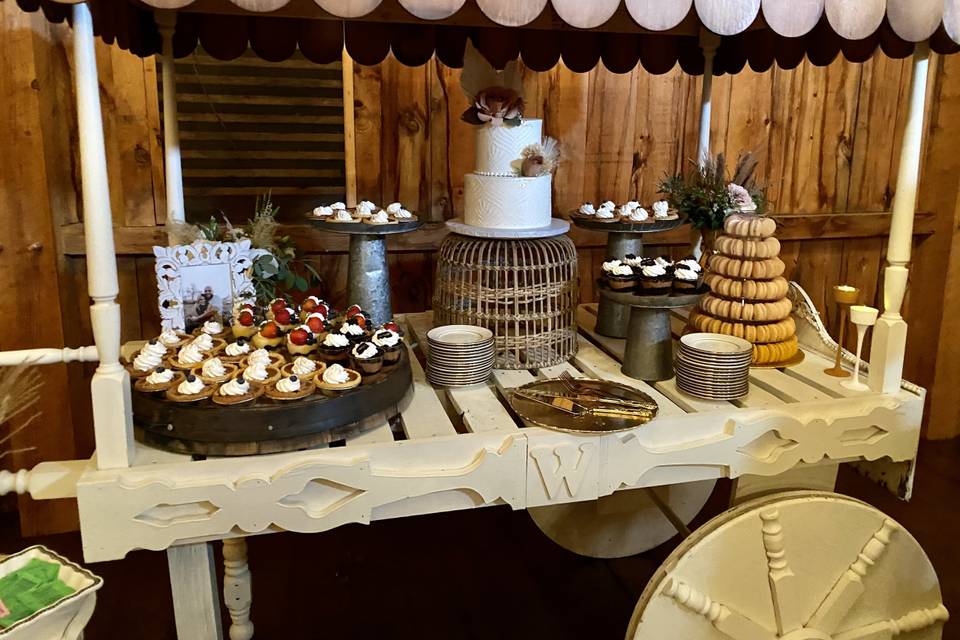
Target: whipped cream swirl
{"points": [[691, 264], [160, 375], [380, 217], [335, 374], [336, 340], [322, 212], [403, 214], [255, 371], [608, 204], [213, 368], [338, 206], [365, 351], [342, 215], [304, 366], [190, 354], [169, 337], [150, 356], [260, 356], [653, 270], [365, 208], [394, 207], [661, 209], [351, 329], [682, 272], [237, 348], [638, 215], [212, 327], [587, 209], [386, 338], [604, 213], [203, 342], [191, 386], [288, 385], [235, 387]]}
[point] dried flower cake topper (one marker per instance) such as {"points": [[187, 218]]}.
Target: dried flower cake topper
{"points": [[496, 96], [540, 159]]}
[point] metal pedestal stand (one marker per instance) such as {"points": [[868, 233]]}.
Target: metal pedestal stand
{"points": [[368, 276], [622, 238], [648, 354]]}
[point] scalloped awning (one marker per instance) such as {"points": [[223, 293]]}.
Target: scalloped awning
{"points": [[620, 34]]}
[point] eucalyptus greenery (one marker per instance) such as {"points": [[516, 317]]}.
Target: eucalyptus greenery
{"points": [[703, 193], [277, 272]]}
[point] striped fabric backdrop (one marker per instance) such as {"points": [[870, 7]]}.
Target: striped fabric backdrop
{"points": [[248, 126]]}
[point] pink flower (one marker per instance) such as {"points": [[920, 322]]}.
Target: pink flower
{"points": [[741, 197]]}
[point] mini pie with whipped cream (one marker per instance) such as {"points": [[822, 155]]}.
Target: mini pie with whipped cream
{"points": [[260, 374], [236, 351], [586, 210], [208, 344], [380, 217], [338, 378], [662, 211], [150, 357], [265, 358], [237, 390], [189, 356], [342, 215], [191, 389], [322, 212], [160, 379], [291, 387], [402, 215], [212, 328], [172, 339], [214, 370], [367, 358], [304, 368], [607, 213]]}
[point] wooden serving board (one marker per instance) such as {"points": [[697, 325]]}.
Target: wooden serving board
{"points": [[265, 425]]}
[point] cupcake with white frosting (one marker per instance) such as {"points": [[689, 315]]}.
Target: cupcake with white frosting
{"points": [[334, 348], [390, 343], [654, 279], [618, 275], [367, 358]]}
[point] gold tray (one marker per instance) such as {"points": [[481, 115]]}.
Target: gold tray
{"points": [[543, 416], [789, 362]]}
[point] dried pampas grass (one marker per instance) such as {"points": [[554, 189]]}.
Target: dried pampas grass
{"points": [[19, 392], [179, 233]]}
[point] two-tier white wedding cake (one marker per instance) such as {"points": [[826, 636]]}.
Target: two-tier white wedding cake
{"points": [[496, 194]]}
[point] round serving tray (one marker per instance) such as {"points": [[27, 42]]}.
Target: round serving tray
{"points": [[628, 227], [364, 229], [550, 418], [557, 227], [671, 301], [265, 425]]}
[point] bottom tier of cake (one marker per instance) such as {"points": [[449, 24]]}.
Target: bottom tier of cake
{"points": [[507, 202]]}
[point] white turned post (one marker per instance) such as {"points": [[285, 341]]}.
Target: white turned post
{"points": [[173, 171], [890, 333], [708, 43], [110, 388], [48, 356], [193, 583], [237, 588]]}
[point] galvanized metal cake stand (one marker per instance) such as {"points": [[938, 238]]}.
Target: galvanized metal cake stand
{"points": [[622, 238], [648, 354], [368, 276]]}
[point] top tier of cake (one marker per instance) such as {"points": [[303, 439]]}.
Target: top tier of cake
{"points": [[499, 148]]}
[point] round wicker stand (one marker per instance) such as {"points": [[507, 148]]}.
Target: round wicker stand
{"points": [[524, 290]]}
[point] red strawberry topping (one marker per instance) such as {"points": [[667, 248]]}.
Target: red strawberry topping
{"points": [[246, 318], [269, 329], [299, 336]]}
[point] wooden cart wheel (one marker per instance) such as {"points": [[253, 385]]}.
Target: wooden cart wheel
{"points": [[797, 566], [625, 523]]}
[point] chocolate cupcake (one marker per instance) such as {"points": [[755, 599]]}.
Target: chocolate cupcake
{"points": [[334, 348], [367, 358], [390, 343], [353, 330], [685, 279], [654, 279], [619, 276]]}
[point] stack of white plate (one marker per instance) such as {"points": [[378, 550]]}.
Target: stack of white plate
{"points": [[713, 366], [459, 355]]}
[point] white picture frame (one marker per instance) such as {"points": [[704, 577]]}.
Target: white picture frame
{"points": [[202, 280]]}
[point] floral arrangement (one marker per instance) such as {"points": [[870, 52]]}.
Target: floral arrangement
{"points": [[706, 195], [541, 159], [277, 270], [496, 97]]}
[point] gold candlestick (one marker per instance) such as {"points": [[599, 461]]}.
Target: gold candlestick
{"points": [[844, 295]]}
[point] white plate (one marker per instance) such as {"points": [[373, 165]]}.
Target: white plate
{"points": [[716, 343], [459, 334]]}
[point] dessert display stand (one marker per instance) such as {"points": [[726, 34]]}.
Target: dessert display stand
{"points": [[648, 353], [462, 449], [622, 238], [368, 275]]}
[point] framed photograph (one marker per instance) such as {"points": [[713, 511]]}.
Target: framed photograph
{"points": [[202, 281]]}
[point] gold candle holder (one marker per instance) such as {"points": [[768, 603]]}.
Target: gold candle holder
{"points": [[845, 296]]}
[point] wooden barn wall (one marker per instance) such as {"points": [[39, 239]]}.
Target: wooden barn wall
{"points": [[828, 138]]}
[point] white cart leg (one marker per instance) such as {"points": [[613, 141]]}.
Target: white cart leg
{"points": [[193, 581], [237, 588]]}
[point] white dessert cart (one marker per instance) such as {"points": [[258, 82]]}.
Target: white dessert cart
{"points": [[606, 495]]}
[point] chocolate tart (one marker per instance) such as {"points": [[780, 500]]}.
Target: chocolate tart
{"points": [[142, 386], [307, 388], [256, 390]]}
